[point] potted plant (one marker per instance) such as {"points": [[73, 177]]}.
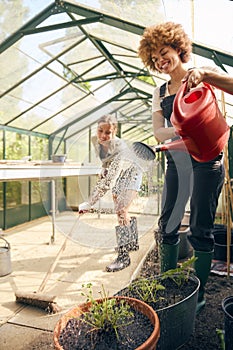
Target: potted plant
{"points": [[112, 323], [173, 295]]}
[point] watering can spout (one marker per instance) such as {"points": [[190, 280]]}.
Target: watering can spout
{"points": [[184, 144], [147, 152]]}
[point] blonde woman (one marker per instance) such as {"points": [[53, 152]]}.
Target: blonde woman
{"points": [[113, 151]]}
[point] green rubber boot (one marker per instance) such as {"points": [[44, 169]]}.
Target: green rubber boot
{"points": [[202, 268], [168, 256]]}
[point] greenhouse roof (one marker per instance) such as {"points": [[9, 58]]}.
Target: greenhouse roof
{"points": [[69, 64]]}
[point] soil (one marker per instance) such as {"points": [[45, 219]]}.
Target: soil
{"points": [[208, 321], [135, 331]]}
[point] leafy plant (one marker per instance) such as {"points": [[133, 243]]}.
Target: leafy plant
{"points": [[181, 274], [220, 334], [108, 314], [147, 290]]}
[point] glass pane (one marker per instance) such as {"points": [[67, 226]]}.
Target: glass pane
{"points": [[143, 12], [35, 192], [78, 149], [39, 148], [1, 144], [16, 145], [1, 198], [13, 17], [17, 193]]}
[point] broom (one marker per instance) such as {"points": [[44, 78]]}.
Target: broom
{"points": [[39, 299]]}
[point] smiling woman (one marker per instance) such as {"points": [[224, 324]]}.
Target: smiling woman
{"points": [[66, 63], [186, 176], [158, 40]]}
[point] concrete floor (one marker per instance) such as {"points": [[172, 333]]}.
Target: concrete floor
{"points": [[89, 250]]}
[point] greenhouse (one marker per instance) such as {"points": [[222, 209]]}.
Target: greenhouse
{"points": [[65, 65]]}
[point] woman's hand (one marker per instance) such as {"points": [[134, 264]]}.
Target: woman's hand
{"points": [[104, 173], [193, 77], [84, 207], [210, 76]]}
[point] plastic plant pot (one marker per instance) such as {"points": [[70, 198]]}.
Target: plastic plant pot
{"points": [[176, 320], [220, 246], [227, 305]]}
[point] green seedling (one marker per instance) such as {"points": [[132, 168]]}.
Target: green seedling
{"points": [[181, 274], [147, 290], [107, 315], [220, 333]]}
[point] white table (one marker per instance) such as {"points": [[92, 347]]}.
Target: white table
{"points": [[11, 171], [45, 171]]}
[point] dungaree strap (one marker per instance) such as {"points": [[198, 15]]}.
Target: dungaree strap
{"points": [[162, 90]]}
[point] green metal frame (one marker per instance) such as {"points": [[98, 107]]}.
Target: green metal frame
{"points": [[92, 16], [139, 126]]}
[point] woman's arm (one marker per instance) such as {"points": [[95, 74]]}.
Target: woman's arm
{"points": [[161, 133], [197, 75], [103, 184]]}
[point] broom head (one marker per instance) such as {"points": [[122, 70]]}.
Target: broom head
{"points": [[42, 301]]}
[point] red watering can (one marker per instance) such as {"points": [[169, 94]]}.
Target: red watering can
{"points": [[200, 123]]}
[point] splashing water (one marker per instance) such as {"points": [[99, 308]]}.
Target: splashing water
{"points": [[125, 169], [99, 231], [104, 182]]}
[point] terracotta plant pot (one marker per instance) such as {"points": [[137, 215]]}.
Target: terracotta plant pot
{"points": [[149, 344]]}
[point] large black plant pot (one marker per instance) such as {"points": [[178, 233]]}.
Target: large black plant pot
{"points": [[220, 246], [227, 305], [176, 320]]}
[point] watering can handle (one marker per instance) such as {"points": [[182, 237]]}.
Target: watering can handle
{"points": [[183, 89], [7, 243]]}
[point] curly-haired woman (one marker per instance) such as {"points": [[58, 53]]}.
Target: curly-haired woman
{"points": [[166, 48]]}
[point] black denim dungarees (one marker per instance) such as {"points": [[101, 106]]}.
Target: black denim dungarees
{"points": [[184, 178]]}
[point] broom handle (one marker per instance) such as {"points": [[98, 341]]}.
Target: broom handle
{"points": [[54, 264]]}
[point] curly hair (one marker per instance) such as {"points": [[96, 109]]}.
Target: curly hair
{"points": [[165, 34]]}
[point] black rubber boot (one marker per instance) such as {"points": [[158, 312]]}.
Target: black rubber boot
{"points": [[202, 268], [123, 260], [168, 256]]}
